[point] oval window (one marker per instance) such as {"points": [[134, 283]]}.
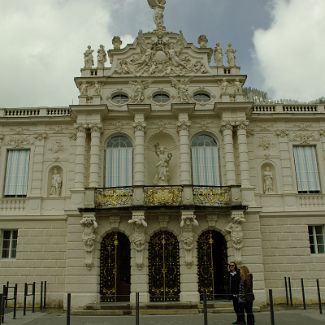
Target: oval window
{"points": [[120, 99], [202, 97], [161, 98]]}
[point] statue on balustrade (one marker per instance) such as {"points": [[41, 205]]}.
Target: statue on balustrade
{"points": [[162, 166], [88, 58]]}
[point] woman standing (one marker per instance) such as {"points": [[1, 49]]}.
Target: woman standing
{"points": [[245, 297]]}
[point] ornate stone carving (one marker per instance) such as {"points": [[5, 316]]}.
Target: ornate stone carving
{"points": [[183, 125], [97, 88], [89, 226], [19, 141], [113, 197], [162, 165], [242, 124], [236, 233], [83, 88], [139, 126], [188, 221], [101, 56], [116, 41], [88, 58], [227, 125], [203, 41], [41, 136], [56, 182], [159, 55], [182, 88], [211, 196], [282, 133], [231, 56], [163, 196], [159, 7], [138, 238], [224, 87], [218, 55], [265, 143], [303, 138], [138, 91]]}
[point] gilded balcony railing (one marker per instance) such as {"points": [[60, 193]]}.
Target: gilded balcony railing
{"points": [[113, 197], [163, 195], [212, 196]]}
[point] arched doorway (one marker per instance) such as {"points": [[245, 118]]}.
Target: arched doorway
{"points": [[115, 268], [212, 265], [164, 283]]}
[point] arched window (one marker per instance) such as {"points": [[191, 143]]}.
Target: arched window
{"points": [[118, 162], [205, 161]]}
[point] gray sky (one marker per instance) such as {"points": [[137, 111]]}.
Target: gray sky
{"points": [[280, 43]]}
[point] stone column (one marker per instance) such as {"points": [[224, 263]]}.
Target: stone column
{"points": [[243, 153], [139, 129], [188, 259], [227, 129], [139, 258], [184, 149], [80, 157], [94, 156]]}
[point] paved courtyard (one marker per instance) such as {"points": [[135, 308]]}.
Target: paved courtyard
{"points": [[283, 317]]}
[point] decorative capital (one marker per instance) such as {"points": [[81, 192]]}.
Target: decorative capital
{"points": [[226, 125], [183, 125], [80, 128], [95, 128], [242, 125], [139, 126]]}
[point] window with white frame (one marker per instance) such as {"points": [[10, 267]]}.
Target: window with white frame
{"points": [[307, 174], [118, 162], [316, 239], [9, 243], [17, 170], [205, 161]]}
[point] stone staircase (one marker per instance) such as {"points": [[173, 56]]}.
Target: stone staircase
{"points": [[175, 308]]}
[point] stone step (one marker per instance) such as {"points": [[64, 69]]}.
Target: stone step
{"points": [[116, 309]]}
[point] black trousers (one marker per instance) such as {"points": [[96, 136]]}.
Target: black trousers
{"points": [[236, 307], [246, 307]]}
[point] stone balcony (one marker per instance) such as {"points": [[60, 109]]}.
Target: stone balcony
{"points": [[165, 196]]}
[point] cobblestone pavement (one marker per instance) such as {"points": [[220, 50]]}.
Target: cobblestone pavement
{"points": [[284, 317]]}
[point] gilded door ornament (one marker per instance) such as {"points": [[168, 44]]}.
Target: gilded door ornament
{"points": [[212, 261], [236, 233], [138, 238], [164, 276], [89, 226], [115, 268]]}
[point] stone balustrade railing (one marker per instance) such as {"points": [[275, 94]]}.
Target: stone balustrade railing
{"points": [[34, 112], [291, 108]]}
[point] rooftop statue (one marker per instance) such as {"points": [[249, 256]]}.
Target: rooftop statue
{"points": [[88, 58], [159, 7]]}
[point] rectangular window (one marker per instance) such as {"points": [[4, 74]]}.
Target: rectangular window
{"points": [[316, 239], [306, 169], [17, 172], [9, 243]]}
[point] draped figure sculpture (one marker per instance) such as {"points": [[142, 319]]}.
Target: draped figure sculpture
{"points": [[159, 7], [162, 165]]}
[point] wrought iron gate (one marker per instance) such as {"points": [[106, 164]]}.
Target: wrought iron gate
{"points": [[164, 284], [115, 268], [212, 265]]}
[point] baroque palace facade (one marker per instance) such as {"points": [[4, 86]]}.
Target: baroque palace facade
{"points": [[160, 175]]}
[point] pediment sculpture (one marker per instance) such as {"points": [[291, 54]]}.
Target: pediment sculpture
{"points": [[160, 53]]}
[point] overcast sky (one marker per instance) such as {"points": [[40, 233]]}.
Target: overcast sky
{"points": [[280, 43]]}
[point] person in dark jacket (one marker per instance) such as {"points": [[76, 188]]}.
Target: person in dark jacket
{"points": [[245, 297], [234, 279]]}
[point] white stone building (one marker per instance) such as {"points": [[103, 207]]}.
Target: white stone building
{"points": [[160, 175]]}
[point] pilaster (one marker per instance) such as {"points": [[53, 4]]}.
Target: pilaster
{"points": [[94, 155], [80, 157], [227, 129]]}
